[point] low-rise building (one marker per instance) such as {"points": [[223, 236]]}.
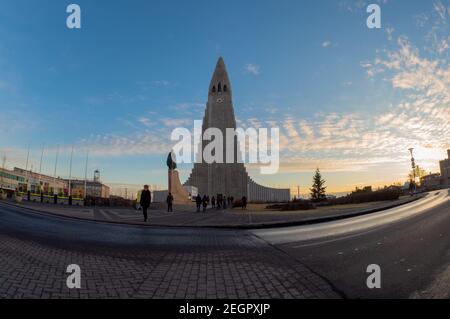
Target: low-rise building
{"points": [[445, 171], [21, 180], [93, 189], [35, 183], [431, 182], [11, 181]]}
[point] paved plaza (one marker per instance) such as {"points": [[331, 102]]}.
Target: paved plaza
{"points": [[132, 262]]}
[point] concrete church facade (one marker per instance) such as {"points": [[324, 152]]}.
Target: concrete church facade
{"points": [[228, 179]]}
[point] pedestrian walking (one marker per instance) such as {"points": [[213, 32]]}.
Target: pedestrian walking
{"points": [[219, 202], [169, 202], [213, 202], [198, 201], [146, 198], [224, 202], [244, 202], [205, 203]]}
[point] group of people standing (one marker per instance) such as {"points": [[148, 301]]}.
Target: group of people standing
{"points": [[221, 202], [202, 202]]}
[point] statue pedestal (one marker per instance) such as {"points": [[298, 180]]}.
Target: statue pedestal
{"points": [[180, 195]]}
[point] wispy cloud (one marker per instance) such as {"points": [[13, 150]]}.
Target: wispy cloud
{"points": [[147, 85], [358, 5], [421, 119], [170, 122], [252, 69], [356, 141], [390, 32], [144, 143], [146, 121]]}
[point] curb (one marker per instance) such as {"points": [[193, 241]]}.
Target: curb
{"points": [[310, 221]]}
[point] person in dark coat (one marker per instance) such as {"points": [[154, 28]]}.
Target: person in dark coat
{"points": [[244, 202], [198, 201], [213, 202], [146, 198], [205, 201], [221, 202], [169, 201], [224, 202], [218, 201]]}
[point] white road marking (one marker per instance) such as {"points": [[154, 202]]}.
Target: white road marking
{"points": [[351, 225]]}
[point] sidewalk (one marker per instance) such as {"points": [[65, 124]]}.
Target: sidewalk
{"points": [[185, 216]]}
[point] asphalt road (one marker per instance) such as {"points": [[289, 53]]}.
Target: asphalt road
{"points": [[414, 256], [132, 261]]}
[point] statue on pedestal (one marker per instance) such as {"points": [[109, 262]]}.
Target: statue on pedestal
{"points": [[180, 195]]}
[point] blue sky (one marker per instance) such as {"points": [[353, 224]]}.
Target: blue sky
{"points": [[347, 99]]}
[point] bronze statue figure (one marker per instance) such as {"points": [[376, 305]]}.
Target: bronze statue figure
{"points": [[171, 164]]}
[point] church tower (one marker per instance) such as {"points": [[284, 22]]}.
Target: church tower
{"points": [[228, 179]]}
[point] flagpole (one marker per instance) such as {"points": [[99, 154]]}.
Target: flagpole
{"points": [[70, 172], [85, 174], [40, 168], [54, 172], [56, 161], [26, 167]]}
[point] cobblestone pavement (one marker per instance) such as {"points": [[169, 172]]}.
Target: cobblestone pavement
{"points": [[134, 262]]}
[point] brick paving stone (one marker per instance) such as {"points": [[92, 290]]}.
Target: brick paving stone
{"points": [[216, 268]]}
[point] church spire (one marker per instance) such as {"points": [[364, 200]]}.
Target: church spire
{"points": [[220, 82]]}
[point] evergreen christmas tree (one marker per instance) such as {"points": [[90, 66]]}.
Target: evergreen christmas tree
{"points": [[318, 188]]}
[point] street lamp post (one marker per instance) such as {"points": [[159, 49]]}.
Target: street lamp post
{"points": [[413, 165]]}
